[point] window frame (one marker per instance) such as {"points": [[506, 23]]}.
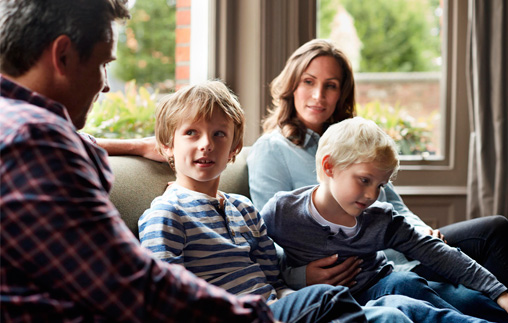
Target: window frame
{"points": [[251, 40]]}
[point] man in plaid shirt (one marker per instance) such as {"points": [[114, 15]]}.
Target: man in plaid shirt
{"points": [[65, 253]]}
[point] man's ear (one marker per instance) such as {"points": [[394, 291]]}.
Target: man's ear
{"points": [[62, 53], [327, 166]]}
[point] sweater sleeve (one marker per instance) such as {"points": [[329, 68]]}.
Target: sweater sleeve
{"points": [[443, 259]]}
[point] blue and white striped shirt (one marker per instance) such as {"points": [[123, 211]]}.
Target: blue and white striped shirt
{"points": [[223, 241]]}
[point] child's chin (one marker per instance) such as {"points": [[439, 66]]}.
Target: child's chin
{"points": [[356, 212]]}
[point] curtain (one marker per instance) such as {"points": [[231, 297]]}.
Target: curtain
{"points": [[487, 78]]}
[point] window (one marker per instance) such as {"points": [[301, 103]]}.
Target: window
{"points": [[395, 49], [152, 59]]}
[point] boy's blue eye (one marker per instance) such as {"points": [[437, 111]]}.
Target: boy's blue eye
{"points": [[220, 134], [364, 180], [190, 132]]}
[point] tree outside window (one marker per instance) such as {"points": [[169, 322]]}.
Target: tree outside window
{"points": [[145, 67], [395, 49]]}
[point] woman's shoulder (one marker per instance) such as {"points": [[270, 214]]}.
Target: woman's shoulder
{"points": [[272, 138], [274, 144]]}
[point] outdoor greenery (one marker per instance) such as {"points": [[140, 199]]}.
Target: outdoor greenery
{"points": [[146, 54], [413, 137], [396, 35], [132, 115], [123, 115], [146, 45]]}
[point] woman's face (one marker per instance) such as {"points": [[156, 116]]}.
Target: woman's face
{"points": [[318, 92]]}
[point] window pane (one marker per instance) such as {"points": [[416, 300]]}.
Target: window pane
{"points": [[395, 49], [144, 69]]}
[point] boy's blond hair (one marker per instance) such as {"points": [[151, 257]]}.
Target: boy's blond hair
{"points": [[197, 102], [355, 141]]}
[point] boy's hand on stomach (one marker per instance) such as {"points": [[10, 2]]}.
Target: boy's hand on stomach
{"points": [[325, 271]]}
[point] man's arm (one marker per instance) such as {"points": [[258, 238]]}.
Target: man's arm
{"points": [[144, 147]]}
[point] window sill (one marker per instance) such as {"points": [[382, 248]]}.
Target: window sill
{"points": [[432, 190]]}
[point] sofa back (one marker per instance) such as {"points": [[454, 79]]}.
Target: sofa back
{"points": [[139, 180]]}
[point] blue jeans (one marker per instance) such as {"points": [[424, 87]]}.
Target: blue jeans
{"points": [[470, 302], [403, 283], [421, 311], [326, 303]]}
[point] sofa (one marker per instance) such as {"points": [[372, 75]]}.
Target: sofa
{"points": [[139, 180]]}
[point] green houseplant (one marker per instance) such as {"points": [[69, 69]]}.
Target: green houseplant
{"points": [[413, 137], [129, 114]]}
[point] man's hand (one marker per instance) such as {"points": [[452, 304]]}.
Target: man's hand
{"points": [[146, 148], [320, 272]]}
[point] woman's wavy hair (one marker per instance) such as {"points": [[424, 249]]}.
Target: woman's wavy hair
{"points": [[282, 115]]}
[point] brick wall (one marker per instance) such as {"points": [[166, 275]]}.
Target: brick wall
{"points": [[182, 50], [418, 92]]}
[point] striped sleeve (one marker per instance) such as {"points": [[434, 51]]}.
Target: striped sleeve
{"points": [[162, 232]]}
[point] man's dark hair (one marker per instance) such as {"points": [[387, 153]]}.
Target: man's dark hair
{"points": [[27, 27]]}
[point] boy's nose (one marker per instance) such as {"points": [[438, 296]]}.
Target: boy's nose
{"points": [[371, 193], [206, 144]]}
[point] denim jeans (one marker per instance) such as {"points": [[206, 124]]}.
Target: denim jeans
{"points": [[421, 311], [318, 303], [403, 283], [470, 302], [326, 303], [440, 295]]}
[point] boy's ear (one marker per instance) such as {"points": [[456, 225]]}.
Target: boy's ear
{"points": [[168, 151], [327, 166], [234, 152]]}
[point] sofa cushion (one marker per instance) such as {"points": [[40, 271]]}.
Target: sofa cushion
{"points": [[139, 180]]}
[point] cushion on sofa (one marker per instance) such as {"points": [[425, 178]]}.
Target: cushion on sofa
{"points": [[139, 180]]}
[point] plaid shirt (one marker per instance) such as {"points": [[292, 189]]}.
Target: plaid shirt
{"points": [[65, 253]]}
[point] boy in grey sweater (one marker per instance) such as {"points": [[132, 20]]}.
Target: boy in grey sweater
{"points": [[340, 216]]}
